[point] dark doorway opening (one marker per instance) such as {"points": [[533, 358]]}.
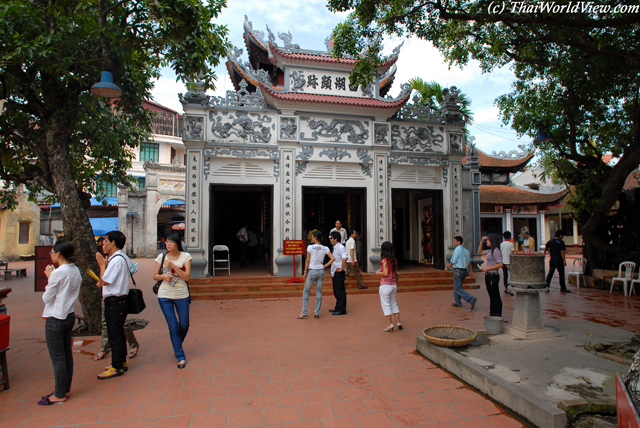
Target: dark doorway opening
{"points": [[418, 235], [491, 225], [322, 206], [231, 208]]}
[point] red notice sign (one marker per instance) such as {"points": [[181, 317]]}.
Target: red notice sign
{"points": [[293, 247]]}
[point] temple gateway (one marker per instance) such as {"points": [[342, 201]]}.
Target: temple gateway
{"points": [[296, 147]]}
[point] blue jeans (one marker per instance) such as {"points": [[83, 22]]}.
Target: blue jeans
{"points": [[317, 276], [458, 292], [58, 336], [178, 326]]}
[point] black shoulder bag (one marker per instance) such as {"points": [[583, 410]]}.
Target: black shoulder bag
{"points": [[135, 298], [157, 285]]}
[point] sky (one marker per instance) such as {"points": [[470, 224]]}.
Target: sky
{"points": [[310, 22]]}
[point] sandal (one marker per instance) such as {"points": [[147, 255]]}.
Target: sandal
{"points": [[110, 372], [101, 355], [301, 317], [182, 364], [125, 368], [133, 352], [316, 316], [67, 395], [47, 402]]}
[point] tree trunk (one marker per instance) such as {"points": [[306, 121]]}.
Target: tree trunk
{"points": [[632, 380], [75, 220]]}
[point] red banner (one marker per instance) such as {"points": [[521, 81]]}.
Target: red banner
{"points": [[627, 415], [293, 247]]}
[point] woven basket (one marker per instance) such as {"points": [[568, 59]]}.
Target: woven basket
{"points": [[449, 335]]}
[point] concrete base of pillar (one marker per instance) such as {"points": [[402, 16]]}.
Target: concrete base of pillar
{"points": [[527, 316]]}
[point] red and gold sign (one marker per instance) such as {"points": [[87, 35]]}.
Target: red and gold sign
{"points": [[293, 247]]}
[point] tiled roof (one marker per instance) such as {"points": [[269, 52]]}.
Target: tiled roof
{"points": [[240, 71], [496, 162], [328, 58], [505, 195], [334, 99]]}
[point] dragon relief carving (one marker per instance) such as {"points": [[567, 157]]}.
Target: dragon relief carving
{"points": [[288, 128], [242, 126], [194, 128], [297, 81], [355, 130], [415, 139], [380, 134]]}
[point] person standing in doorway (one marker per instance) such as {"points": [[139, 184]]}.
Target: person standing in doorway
{"points": [[338, 274], [352, 259], [252, 245], [557, 250], [342, 231], [491, 268], [528, 243], [243, 237], [506, 248], [114, 280], [461, 263]]}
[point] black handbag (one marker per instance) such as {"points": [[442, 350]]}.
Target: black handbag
{"points": [[157, 285], [135, 299]]}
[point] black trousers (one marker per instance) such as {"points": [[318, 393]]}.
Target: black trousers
{"points": [[115, 314], [552, 269], [58, 335], [493, 288], [339, 291], [505, 276]]}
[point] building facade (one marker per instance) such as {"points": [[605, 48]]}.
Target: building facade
{"points": [[296, 147]]}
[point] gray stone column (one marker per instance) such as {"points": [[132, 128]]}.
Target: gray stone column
{"points": [[151, 212], [194, 224]]}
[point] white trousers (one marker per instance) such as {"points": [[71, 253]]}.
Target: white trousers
{"points": [[388, 299]]}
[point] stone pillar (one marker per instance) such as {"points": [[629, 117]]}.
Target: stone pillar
{"points": [[287, 201], [151, 212], [543, 232], [194, 214]]}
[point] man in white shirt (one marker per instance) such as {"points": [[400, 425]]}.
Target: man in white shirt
{"points": [[338, 274], [506, 248], [352, 260], [342, 231], [114, 280]]}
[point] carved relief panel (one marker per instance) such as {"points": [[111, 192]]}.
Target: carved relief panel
{"points": [[328, 130], [241, 126], [288, 128], [418, 138], [194, 127]]}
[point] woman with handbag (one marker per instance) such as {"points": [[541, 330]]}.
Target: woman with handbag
{"points": [[62, 290], [174, 270]]}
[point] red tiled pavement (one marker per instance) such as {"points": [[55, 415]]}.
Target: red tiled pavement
{"points": [[251, 363]]}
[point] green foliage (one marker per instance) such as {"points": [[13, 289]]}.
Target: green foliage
{"points": [[577, 77], [53, 52], [431, 95]]}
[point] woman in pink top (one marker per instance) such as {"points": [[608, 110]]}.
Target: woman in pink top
{"points": [[388, 288]]}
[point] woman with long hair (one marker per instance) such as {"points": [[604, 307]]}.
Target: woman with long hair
{"points": [[62, 290], [388, 287], [173, 294], [491, 267], [314, 273]]}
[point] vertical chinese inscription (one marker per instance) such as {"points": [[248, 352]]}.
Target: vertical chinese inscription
{"points": [[287, 170], [193, 197], [455, 186], [381, 198]]}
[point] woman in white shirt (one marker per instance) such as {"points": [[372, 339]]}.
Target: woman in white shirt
{"points": [[314, 272], [173, 294], [60, 293]]}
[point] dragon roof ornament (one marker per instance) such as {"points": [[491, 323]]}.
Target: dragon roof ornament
{"points": [[513, 154]]}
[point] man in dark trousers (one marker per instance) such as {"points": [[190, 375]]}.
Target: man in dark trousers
{"points": [[114, 280], [557, 249], [338, 274]]}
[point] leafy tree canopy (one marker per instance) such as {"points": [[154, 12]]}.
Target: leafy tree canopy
{"points": [[577, 78], [54, 134]]}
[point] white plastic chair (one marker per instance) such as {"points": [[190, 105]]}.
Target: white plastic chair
{"points": [[582, 265], [629, 267], [226, 262], [634, 282]]}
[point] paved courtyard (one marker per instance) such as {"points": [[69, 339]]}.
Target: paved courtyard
{"points": [[251, 363]]}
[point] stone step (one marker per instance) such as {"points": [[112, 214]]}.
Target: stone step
{"points": [[260, 293]]}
